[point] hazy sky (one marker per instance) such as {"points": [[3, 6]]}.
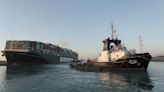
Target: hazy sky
{"points": [[81, 25]]}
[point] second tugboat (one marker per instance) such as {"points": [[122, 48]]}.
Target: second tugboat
{"points": [[115, 57]]}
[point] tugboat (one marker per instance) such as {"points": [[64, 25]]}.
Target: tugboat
{"points": [[115, 56]]}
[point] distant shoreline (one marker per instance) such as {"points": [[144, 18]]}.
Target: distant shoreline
{"points": [[157, 61]]}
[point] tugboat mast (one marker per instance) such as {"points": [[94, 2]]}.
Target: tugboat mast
{"points": [[113, 35], [112, 27], [141, 44]]}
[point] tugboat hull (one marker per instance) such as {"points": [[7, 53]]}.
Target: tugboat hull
{"points": [[138, 62]]}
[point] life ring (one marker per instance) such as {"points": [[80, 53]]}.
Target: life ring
{"points": [[132, 61]]}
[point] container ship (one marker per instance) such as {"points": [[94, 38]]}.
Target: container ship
{"points": [[115, 56], [18, 52]]}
